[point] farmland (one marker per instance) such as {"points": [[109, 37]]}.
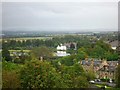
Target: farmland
{"points": [[27, 38]]}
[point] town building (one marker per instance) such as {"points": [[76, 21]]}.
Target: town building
{"points": [[114, 44], [61, 47], [61, 51], [71, 45], [102, 68]]}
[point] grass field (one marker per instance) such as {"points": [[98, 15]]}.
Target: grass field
{"points": [[27, 38], [19, 50]]}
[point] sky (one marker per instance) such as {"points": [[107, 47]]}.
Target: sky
{"points": [[60, 16]]}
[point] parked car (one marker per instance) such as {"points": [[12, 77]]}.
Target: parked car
{"points": [[92, 82], [110, 81]]}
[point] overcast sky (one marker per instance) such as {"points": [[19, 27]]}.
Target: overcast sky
{"points": [[64, 16]]}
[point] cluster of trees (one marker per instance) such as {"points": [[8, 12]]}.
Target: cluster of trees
{"points": [[98, 50], [10, 75], [28, 44], [118, 76], [40, 70], [90, 46], [6, 54], [63, 72], [43, 74]]}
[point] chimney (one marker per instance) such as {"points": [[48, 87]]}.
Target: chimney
{"points": [[41, 58]]}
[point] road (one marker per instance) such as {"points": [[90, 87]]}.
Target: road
{"points": [[109, 84]]}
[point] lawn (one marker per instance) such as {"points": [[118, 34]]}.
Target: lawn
{"points": [[19, 50], [30, 38]]}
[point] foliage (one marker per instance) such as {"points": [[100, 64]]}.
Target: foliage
{"points": [[81, 82], [10, 75], [65, 72], [97, 50], [81, 54], [105, 79], [41, 52], [6, 54], [73, 76], [68, 60], [90, 75], [39, 74], [111, 56], [118, 76], [9, 66], [10, 79]]}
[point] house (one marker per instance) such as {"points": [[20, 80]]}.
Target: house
{"points": [[61, 51], [61, 47], [70, 45], [102, 68], [114, 44]]}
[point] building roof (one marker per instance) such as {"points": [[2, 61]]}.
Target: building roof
{"points": [[114, 43], [61, 47], [110, 65]]}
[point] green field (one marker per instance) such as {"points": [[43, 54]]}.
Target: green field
{"points": [[28, 38], [19, 50]]}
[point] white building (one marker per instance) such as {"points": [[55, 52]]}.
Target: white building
{"points": [[61, 47], [61, 51]]}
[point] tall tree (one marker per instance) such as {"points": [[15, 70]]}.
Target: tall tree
{"points": [[42, 52], [118, 76], [38, 74], [6, 54]]}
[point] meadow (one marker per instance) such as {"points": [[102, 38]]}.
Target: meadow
{"points": [[26, 38]]}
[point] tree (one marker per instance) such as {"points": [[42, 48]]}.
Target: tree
{"points": [[10, 75], [98, 52], [111, 56], [73, 76], [10, 79], [118, 76], [81, 54], [6, 54], [90, 75], [42, 52], [38, 74], [81, 82], [68, 60]]}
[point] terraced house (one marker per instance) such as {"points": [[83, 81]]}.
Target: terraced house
{"points": [[101, 68]]}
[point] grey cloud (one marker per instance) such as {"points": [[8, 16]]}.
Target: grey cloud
{"points": [[60, 16]]}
